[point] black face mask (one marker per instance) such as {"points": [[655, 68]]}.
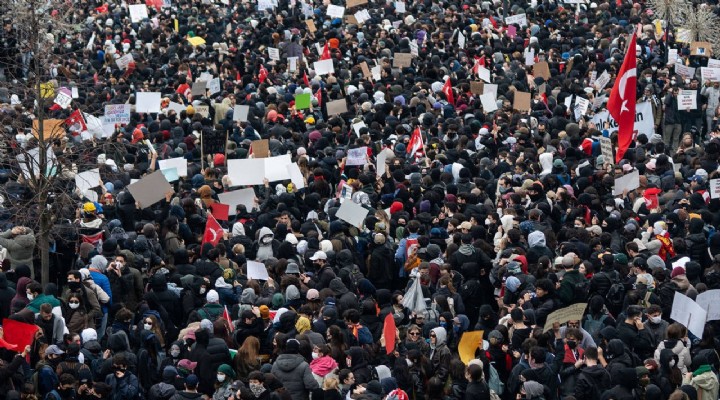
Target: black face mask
{"points": [[66, 393], [572, 344], [74, 286]]}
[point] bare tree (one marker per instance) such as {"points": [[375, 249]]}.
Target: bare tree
{"points": [[34, 73]]}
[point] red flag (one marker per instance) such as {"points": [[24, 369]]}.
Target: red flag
{"points": [[621, 104], [102, 9], [493, 22], [651, 198], [416, 145], [18, 333], [306, 80], [325, 53], [318, 96], [226, 315], [263, 74], [213, 231], [75, 122], [389, 333], [95, 78], [237, 76], [220, 211], [447, 90]]}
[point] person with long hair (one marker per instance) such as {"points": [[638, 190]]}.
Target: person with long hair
{"points": [[76, 317], [171, 241], [151, 323], [247, 358], [336, 341]]}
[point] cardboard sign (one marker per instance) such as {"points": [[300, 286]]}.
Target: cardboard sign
{"points": [[150, 189], [541, 69], [521, 101], [260, 148], [572, 313], [365, 70], [52, 128], [402, 60], [703, 49], [203, 110], [355, 3], [336, 107], [311, 25], [198, 88], [477, 87]]}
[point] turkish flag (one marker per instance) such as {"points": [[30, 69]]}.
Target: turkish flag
{"points": [[416, 144], [318, 96], [102, 9], [306, 80], [325, 53], [213, 231], [263, 74], [651, 198], [220, 211], [447, 90], [18, 333], [621, 104], [75, 122]]}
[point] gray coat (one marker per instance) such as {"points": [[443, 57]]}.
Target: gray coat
{"points": [[20, 248], [295, 374]]}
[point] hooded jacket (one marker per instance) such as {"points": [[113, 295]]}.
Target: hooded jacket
{"points": [[678, 348], [440, 354], [20, 248], [266, 244], [705, 382], [591, 382], [295, 374], [20, 300], [167, 298], [6, 296]]}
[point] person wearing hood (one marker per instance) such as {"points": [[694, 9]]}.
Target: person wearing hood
{"points": [[381, 262], [618, 357], [439, 353], [627, 383], [164, 389], [209, 353], [293, 300], [20, 244], [541, 371], [125, 281], [346, 300], [7, 294], [678, 342], [122, 380], [223, 382], [293, 371], [538, 247], [266, 245]]}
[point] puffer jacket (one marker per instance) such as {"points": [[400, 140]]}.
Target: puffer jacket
{"points": [[680, 349], [20, 248], [705, 382], [295, 374], [6, 295]]}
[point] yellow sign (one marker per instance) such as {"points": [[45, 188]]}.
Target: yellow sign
{"points": [[469, 344], [196, 41], [47, 90]]}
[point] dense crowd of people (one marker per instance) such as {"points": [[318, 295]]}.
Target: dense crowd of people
{"points": [[487, 215]]}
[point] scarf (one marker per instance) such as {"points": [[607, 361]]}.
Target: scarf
{"points": [[323, 366], [466, 249], [257, 390], [666, 248]]}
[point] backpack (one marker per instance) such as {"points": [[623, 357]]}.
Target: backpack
{"points": [[581, 291], [593, 326], [46, 380], [494, 383], [616, 295]]}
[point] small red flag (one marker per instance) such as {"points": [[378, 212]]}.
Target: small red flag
{"points": [[325, 53], [102, 9], [263, 74], [213, 231], [306, 80], [416, 145], [75, 122], [18, 333], [447, 90], [389, 333]]}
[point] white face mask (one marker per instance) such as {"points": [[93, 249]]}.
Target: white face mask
{"points": [[147, 327], [687, 81], [202, 290], [30, 296], [655, 320], [657, 231], [671, 363], [221, 377], [609, 209], [487, 221], [175, 353], [74, 305], [315, 355]]}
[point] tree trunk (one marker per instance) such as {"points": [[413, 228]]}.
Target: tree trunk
{"points": [[44, 241]]}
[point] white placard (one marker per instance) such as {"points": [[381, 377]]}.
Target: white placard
{"points": [[593, 77], [689, 314], [484, 74], [138, 12], [240, 113], [256, 271], [124, 61], [643, 119], [180, 163], [177, 107], [530, 58], [414, 48], [352, 213], [400, 7], [292, 64], [147, 102], [376, 72], [520, 19], [687, 100], [684, 71], [715, 188], [249, 171], [324, 67], [276, 167], [87, 180], [357, 156], [274, 53], [75, 93], [117, 114], [461, 40], [581, 107], [712, 63], [490, 88], [381, 160], [357, 126], [204, 77], [296, 175], [235, 197], [362, 16], [673, 56], [602, 81], [710, 302], [213, 86], [488, 102], [606, 148], [63, 99], [335, 11], [630, 182]]}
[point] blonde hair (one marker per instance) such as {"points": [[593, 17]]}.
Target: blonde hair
{"points": [[330, 383]]}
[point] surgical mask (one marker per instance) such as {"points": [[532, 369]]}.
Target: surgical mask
{"points": [[672, 82], [202, 290], [656, 231], [487, 221], [267, 240], [315, 355], [671, 363], [653, 68], [687, 81], [147, 327], [221, 377], [74, 306], [648, 79], [609, 208], [443, 324], [655, 320], [31, 297], [175, 353], [409, 363]]}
